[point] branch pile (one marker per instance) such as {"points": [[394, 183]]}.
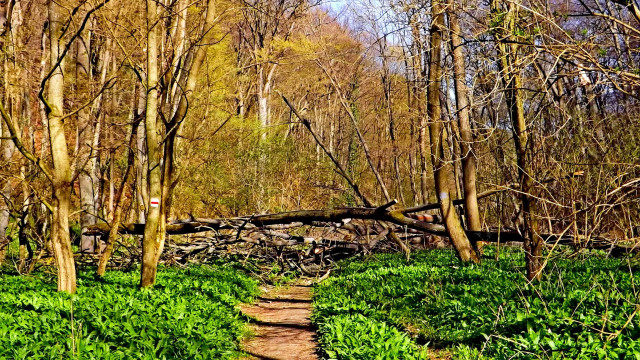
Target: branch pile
{"points": [[344, 231]]}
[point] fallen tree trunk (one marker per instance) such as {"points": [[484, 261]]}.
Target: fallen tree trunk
{"points": [[282, 220], [263, 228]]}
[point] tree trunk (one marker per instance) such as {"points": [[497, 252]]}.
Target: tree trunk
{"points": [[152, 236], [472, 213], [141, 160], [119, 198], [443, 172], [509, 68], [12, 95], [264, 96], [85, 142], [418, 102], [61, 175], [161, 177], [7, 149], [4, 221]]}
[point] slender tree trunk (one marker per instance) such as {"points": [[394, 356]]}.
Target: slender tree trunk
{"points": [[119, 198], [443, 172], [265, 80], [153, 237], [472, 214], [7, 148], [44, 145], [419, 99], [10, 75], [85, 142], [510, 70], [141, 161], [4, 221], [263, 102], [387, 85], [161, 174], [61, 176], [25, 252]]}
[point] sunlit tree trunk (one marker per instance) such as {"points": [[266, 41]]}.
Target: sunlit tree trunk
{"points": [[61, 174], [85, 142], [153, 236], [472, 213], [12, 96], [264, 83], [512, 82], [161, 160], [6, 153], [443, 171], [142, 197], [419, 98]]}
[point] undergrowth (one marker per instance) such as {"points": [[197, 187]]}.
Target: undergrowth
{"points": [[385, 307], [189, 314]]}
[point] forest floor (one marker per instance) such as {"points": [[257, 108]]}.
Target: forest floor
{"points": [[281, 327]]}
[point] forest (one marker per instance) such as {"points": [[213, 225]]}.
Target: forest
{"points": [[387, 179]]}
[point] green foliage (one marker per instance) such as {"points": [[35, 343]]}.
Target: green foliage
{"points": [[188, 315], [358, 337], [579, 310]]}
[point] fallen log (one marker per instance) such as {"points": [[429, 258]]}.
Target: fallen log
{"points": [[266, 225], [278, 220]]}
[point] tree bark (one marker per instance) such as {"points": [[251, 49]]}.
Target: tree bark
{"points": [[142, 197], [264, 83], [472, 213], [4, 221], [85, 142], [419, 99], [153, 236], [443, 172], [61, 174], [161, 173], [13, 97], [512, 82], [7, 148]]}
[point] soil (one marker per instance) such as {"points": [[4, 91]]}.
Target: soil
{"points": [[281, 326]]}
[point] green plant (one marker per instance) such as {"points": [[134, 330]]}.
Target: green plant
{"points": [[581, 309], [190, 314]]}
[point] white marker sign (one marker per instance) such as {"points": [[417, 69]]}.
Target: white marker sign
{"points": [[155, 202]]}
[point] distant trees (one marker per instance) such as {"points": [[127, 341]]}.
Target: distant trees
{"points": [[262, 30]]}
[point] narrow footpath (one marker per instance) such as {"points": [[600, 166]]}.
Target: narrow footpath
{"points": [[282, 328]]}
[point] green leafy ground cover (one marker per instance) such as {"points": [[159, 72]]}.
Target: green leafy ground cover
{"points": [[188, 315], [385, 307]]}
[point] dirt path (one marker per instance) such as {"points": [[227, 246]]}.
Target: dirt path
{"points": [[282, 327]]}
